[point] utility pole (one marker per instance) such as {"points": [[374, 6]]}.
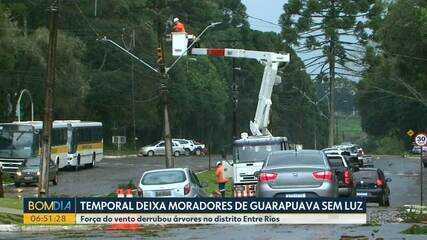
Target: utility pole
{"points": [[133, 92], [331, 59], [235, 97], [96, 8], [43, 189], [170, 162]]}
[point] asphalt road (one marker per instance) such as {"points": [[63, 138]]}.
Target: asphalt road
{"points": [[108, 174], [405, 175], [405, 188]]}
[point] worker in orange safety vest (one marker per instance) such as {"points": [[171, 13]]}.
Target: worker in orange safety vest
{"points": [[220, 179], [179, 27]]}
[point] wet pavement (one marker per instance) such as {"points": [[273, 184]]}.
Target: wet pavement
{"points": [[405, 189], [405, 175], [227, 232], [108, 174]]}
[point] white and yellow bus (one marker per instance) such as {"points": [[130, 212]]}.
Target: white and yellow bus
{"points": [[85, 144], [74, 143]]}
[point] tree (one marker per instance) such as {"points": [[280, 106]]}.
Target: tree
{"points": [[332, 33], [97, 78], [392, 95]]}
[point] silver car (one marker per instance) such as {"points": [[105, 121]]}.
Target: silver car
{"points": [[172, 182], [297, 174], [159, 149]]}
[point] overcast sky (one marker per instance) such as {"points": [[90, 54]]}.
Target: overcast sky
{"points": [[269, 10]]}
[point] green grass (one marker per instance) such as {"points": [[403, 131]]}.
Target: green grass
{"points": [[115, 152], [6, 218], [7, 178], [209, 178], [349, 128], [416, 229], [412, 216], [15, 203]]}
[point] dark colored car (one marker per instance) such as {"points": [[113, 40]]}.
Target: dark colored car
{"points": [[29, 172], [296, 174], [344, 174], [372, 185]]}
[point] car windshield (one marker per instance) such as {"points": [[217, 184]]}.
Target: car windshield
{"points": [[295, 158], [33, 162], [163, 177], [335, 161], [255, 153], [366, 176], [15, 144]]}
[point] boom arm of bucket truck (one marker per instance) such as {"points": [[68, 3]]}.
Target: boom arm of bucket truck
{"points": [[271, 62]]}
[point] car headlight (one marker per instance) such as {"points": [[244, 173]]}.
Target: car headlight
{"points": [[18, 173], [38, 173]]}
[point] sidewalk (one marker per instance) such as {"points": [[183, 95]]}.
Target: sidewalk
{"points": [[10, 211]]}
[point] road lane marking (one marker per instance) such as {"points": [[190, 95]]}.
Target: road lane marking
{"points": [[402, 173]]}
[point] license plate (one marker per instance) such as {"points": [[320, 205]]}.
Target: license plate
{"points": [[163, 193], [28, 178], [362, 194], [295, 195]]}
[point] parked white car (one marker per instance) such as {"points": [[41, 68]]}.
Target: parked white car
{"points": [[159, 149], [172, 182], [192, 147], [188, 145]]}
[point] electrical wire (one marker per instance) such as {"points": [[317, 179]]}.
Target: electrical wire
{"points": [[87, 21]]}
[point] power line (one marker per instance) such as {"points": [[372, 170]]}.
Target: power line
{"points": [[263, 20], [87, 21], [406, 56]]}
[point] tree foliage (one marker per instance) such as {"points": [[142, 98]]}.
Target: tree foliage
{"points": [[94, 80], [392, 97]]}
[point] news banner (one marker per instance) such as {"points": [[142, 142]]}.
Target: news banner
{"points": [[194, 211]]}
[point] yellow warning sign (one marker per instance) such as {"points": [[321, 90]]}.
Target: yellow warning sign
{"points": [[410, 132]]}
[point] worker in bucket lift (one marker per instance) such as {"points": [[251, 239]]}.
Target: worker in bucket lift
{"points": [[220, 179], [179, 26]]}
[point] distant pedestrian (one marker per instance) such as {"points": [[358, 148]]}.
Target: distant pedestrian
{"points": [[220, 179]]}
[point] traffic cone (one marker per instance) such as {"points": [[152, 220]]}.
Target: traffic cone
{"points": [[129, 193], [121, 193]]}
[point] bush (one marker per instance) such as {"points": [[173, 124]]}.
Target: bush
{"points": [[388, 145]]}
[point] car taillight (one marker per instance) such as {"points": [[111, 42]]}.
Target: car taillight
{"points": [[347, 177], [380, 182], [267, 177], [187, 189], [325, 176]]}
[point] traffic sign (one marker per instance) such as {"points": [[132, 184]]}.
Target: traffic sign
{"points": [[410, 132], [421, 139]]}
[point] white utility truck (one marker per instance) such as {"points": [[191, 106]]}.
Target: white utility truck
{"points": [[249, 152]]}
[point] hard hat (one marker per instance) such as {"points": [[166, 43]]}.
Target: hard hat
{"points": [[176, 20], [218, 163]]}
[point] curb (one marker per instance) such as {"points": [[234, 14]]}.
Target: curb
{"points": [[120, 156], [201, 172], [376, 157], [10, 228], [11, 211]]}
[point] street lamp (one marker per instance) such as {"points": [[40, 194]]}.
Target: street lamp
{"points": [[18, 105]]}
